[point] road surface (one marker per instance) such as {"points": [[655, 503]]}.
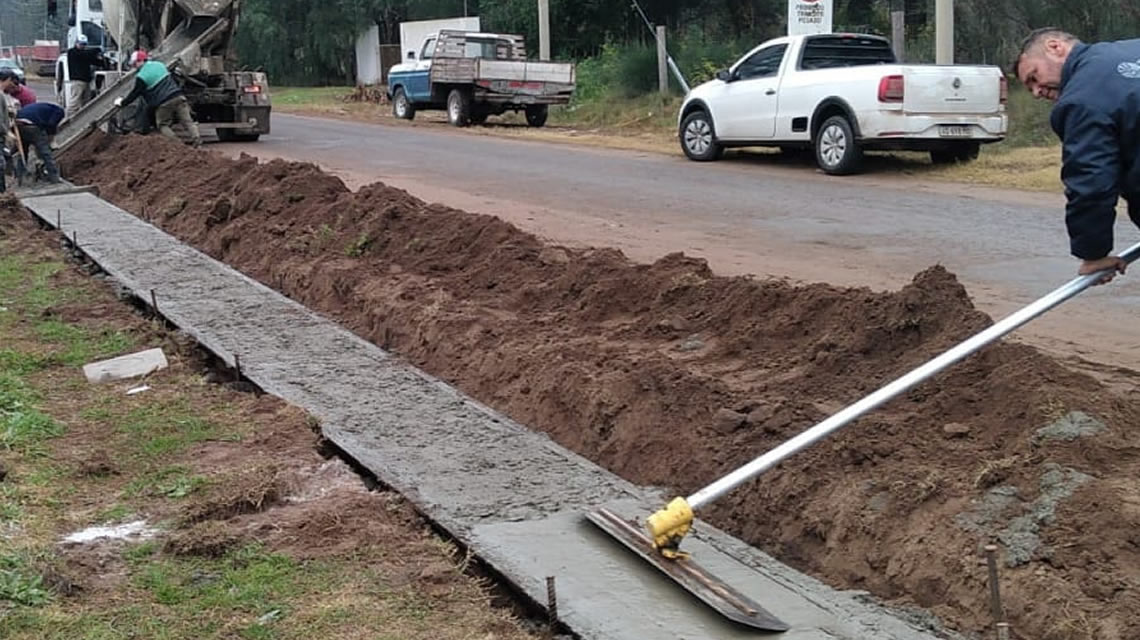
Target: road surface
{"points": [[749, 214]]}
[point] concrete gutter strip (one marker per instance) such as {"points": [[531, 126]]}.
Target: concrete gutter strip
{"points": [[512, 495]]}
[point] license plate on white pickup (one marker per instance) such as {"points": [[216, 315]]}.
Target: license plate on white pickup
{"points": [[954, 131]]}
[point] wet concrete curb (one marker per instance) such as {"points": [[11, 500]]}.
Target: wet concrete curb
{"points": [[513, 496]]}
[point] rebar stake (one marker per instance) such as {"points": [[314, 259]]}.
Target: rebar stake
{"points": [[154, 301], [995, 593], [74, 239], [551, 606], [58, 221], [237, 368]]}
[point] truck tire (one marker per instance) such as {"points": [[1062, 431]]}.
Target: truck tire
{"points": [[536, 115], [961, 152], [402, 107], [459, 108], [837, 151], [698, 137]]}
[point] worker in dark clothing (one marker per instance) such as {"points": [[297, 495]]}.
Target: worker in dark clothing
{"points": [[1096, 88], [81, 64], [162, 93], [37, 123]]}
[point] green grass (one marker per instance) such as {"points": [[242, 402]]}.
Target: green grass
{"points": [[179, 597], [23, 427], [115, 513], [157, 430], [309, 96], [81, 345], [20, 583], [157, 481]]}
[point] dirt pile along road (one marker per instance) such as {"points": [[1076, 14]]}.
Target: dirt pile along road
{"points": [[670, 375]]}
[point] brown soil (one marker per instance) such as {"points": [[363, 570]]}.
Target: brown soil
{"points": [[670, 375]]}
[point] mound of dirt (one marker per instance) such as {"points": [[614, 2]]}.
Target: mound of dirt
{"points": [[670, 375], [248, 490]]}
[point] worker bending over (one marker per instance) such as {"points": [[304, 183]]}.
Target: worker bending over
{"points": [[157, 86]]}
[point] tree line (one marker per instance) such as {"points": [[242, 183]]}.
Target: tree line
{"points": [[300, 41]]}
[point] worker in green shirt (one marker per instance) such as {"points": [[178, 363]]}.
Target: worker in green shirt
{"points": [[157, 86]]}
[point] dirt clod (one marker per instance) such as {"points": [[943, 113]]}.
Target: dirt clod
{"points": [[247, 491], [956, 430], [97, 464], [210, 539]]}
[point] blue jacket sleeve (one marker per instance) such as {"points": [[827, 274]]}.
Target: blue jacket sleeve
{"points": [[1091, 171]]}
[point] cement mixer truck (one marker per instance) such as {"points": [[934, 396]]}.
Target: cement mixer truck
{"points": [[196, 39]]}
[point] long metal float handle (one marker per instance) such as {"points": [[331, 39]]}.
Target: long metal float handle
{"points": [[841, 419]]}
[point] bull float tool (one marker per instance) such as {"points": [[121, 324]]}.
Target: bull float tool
{"points": [[668, 527]]}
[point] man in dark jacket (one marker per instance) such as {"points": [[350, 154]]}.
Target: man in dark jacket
{"points": [[163, 94], [81, 64], [37, 123], [1096, 89]]}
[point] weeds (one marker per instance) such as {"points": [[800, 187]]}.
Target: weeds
{"points": [[22, 427], [358, 247], [19, 583]]}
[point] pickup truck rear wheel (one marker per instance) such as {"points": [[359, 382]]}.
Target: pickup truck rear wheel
{"points": [[836, 150], [536, 114], [402, 107], [961, 152], [459, 108], [698, 138]]}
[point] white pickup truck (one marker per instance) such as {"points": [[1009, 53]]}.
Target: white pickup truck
{"points": [[842, 94]]}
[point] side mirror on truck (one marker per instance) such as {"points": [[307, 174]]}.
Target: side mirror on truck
{"points": [[724, 75], [411, 55]]}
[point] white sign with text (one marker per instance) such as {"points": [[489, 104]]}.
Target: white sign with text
{"points": [[809, 16]]}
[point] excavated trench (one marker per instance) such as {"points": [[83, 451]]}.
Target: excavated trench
{"points": [[670, 375]]}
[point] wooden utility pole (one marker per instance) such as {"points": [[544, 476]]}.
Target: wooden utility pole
{"points": [[662, 61], [543, 29], [898, 28], [944, 31]]}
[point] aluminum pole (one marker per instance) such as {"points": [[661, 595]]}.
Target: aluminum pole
{"points": [[899, 386]]}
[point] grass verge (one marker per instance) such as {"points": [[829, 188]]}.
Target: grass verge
{"points": [[242, 529]]}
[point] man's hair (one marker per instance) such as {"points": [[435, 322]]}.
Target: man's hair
{"points": [[8, 74], [1036, 38]]}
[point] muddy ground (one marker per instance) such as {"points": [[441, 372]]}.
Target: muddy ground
{"points": [[670, 375], [222, 475]]}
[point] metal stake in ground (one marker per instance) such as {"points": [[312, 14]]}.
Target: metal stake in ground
{"points": [[551, 605], [996, 610], [237, 368], [154, 301], [58, 221]]}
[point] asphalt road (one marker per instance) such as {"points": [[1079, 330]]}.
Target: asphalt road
{"points": [[746, 214]]}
